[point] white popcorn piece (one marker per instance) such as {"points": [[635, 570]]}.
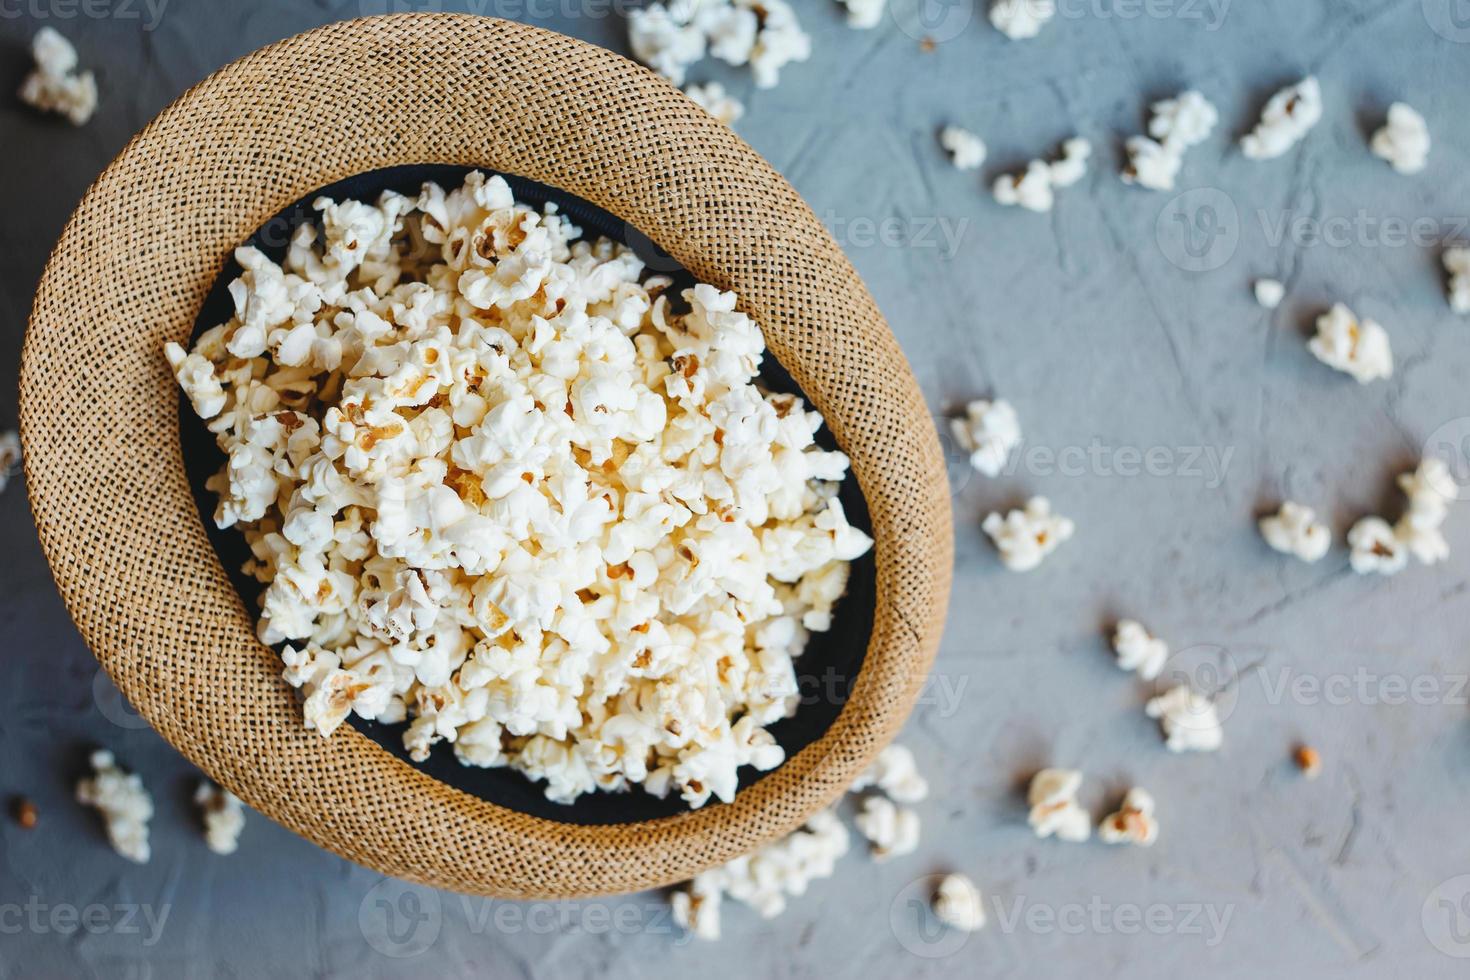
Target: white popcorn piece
{"points": [[1035, 188], [1052, 797], [989, 432], [779, 42], [958, 904], [713, 99], [1021, 19], [665, 38], [1287, 118], [1269, 293], [764, 34], [1404, 140], [1134, 822], [896, 774], [1376, 547], [966, 150], [1457, 264], [1295, 530], [864, 14], [1357, 348], [892, 831], [125, 805], [696, 906], [55, 85], [1177, 124], [1431, 489], [224, 817], [1189, 720], [508, 495], [10, 455], [1025, 537], [1138, 651]]}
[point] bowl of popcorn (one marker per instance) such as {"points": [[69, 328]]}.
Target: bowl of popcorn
{"points": [[475, 457]]}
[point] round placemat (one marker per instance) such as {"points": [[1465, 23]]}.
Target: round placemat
{"points": [[112, 501]]}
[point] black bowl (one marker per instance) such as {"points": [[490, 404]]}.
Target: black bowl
{"points": [[826, 671]]}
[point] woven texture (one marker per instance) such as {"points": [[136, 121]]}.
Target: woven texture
{"points": [[120, 528]]}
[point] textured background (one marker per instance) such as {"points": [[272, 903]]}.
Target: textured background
{"points": [[1163, 410]]}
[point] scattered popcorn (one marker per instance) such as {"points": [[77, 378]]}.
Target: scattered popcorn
{"points": [[892, 830], [1025, 537], [9, 457], [1309, 761], [513, 498], [966, 150], [1269, 293], [1189, 720], [224, 817], [26, 814], [1177, 124], [55, 85], [780, 42], [989, 432], [1295, 530], [1376, 548], [1404, 139], [1034, 189], [765, 879], [1054, 808], [124, 804], [764, 34], [1020, 19], [896, 774], [864, 14], [1457, 264], [713, 99], [1288, 116], [1360, 349], [1431, 490], [957, 903], [666, 39], [1134, 822], [1139, 651]]}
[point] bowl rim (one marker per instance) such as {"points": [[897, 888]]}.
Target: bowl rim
{"points": [[117, 519]]}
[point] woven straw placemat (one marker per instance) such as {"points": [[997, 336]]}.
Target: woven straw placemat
{"points": [[119, 525]]}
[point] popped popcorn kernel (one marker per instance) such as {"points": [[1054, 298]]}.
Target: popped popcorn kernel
{"points": [[864, 14], [1377, 548], [989, 432], [1134, 822], [966, 150], [1177, 124], [55, 85], [1295, 530], [896, 774], [1189, 720], [1357, 348], [125, 805], [1138, 651], [1287, 118], [958, 904], [1035, 188], [1025, 537], [1269, 293], [1054, 808], [224, 817], [1457, 264], [713, 99], [893, 831], [1021, 19], [10, 456], [1404, 140]]}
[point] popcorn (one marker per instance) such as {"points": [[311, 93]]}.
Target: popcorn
{"points": [[1360, 349], [957, 903], [224, 817], [1134, 822], [1025, 537], [1138, 651], [10, 454], [1376, 547], [1288, 117], [665, 38], [989, 432], [1295, 530], [1457, 264], [1054, 807], [1308, 760], [123, 802], [1034, 189], [764, 34], [1020, 19], [896, 774], [55, 85], [696, 907], [966, 150], [780, 42], [512, 498], [1269, 293], [713, 98], [1177, 124], [893, 831], [864, 14], [1189, 720], [1404, 140]]}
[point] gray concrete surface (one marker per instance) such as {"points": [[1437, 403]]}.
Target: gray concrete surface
{"points": [[1094, 322]]}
